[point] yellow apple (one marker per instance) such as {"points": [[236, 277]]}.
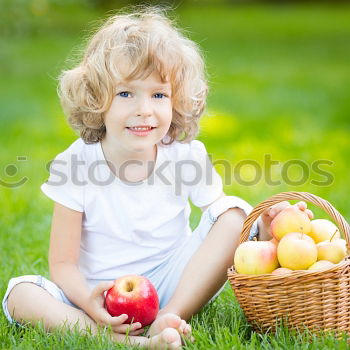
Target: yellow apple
{"points": [[297, 251], [290, 219], [330, 251], [256, 257], [342, 243], [321, 265], [323, 230], [281, 271]]}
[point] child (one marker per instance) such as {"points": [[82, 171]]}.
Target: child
{"points": [[121, 191]]}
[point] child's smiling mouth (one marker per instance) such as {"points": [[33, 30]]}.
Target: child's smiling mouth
{"points": [[141, 130]]}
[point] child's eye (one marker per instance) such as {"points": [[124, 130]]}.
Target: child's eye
{"points": [[159, 95], [124, 94]]}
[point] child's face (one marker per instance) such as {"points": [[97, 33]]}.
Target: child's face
{"points": [[139, 103]]}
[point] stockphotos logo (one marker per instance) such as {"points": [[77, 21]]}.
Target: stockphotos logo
{"points": [[294, 172]]}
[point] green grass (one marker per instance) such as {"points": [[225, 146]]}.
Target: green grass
{"points": [[279, 79]]}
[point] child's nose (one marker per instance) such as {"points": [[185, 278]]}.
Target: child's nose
{"points": [[144, 107]]}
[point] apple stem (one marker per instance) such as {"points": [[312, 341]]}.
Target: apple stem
{"points": [[333, 235]]}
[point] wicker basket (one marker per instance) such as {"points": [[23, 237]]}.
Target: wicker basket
{"points": [[318, 300]]}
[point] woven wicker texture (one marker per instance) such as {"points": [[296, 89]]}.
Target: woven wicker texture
{"points": [[319, 300]]}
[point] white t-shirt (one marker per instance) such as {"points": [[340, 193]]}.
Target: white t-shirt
{"points": [[131, 227]]}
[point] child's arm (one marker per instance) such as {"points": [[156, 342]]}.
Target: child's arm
{"points": [[64, 254], [64, 271]]}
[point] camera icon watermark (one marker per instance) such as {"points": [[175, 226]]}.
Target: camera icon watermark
{"points": [[11, 170]]}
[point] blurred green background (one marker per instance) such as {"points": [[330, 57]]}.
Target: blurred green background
{"points": [[279, 79]]}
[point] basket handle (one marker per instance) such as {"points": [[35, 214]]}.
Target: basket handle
{"points": [[305, 196]]}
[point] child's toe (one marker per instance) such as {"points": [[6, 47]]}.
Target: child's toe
{"points": [[188, 329], [171, 337], [182, 326]]}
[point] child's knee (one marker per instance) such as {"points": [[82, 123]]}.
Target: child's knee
{"points": [[18, 295]]}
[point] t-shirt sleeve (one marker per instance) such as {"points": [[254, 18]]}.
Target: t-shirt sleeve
{"points": [[65, 184], [207, 184]]}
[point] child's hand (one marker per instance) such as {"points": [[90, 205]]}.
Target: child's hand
{"points": [[270, 213], [100, 315]]}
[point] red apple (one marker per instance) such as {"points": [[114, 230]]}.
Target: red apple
{"points": [[134, 296]]}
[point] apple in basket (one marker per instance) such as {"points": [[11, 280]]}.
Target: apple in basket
{"points": [[342, 243], [290, 219], [134, 296], [256, 257], [281, 271], [297, 251], [323, 230], [331, 251], [321, 265]]}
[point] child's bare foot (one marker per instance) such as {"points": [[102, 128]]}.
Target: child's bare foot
{"points": [[168, 338], [170, 321]]}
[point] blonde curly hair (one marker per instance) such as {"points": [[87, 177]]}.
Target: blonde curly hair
{"points": [[144, 40]]}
